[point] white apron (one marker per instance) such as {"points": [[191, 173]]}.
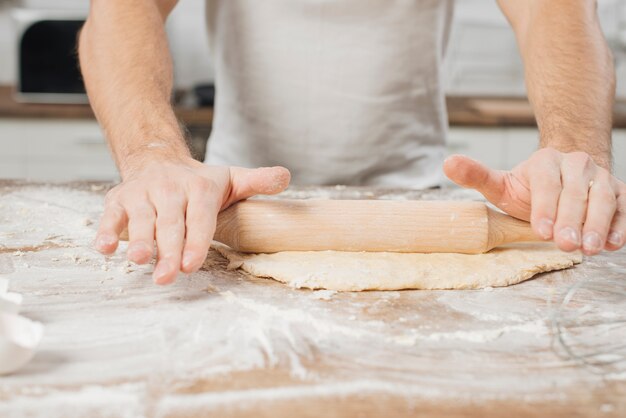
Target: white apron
{"points": [[338, 91]]}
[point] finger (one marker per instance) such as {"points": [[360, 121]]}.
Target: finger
{"points": [[577, 170], [141, 220], [200, 221], [545, 188], [170, 235], [246, 182], [111, 226], [600, 212], [617, 233], [469, 173]]}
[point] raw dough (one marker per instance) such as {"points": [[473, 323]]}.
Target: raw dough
{"points": [[346, 271]]}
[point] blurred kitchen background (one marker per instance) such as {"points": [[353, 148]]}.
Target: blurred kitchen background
{"points": [[490, 117]]}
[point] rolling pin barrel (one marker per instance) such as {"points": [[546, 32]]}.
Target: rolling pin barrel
{"points": [[367, 225]]}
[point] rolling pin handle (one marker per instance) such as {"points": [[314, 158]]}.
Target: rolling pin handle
{"points": [[504, 229]]}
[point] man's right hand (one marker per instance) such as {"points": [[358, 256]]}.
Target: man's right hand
{"points": [[165, 196], [176, 204]]}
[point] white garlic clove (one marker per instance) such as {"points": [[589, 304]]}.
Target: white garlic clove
{"points": [[10, 302], [19, 339]]}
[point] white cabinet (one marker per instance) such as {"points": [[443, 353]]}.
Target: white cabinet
{"points": [[12, 170], [69, 150], [504, 148], [520, 143], [54, 150], [484, 145], [499, 148], [619, 153]]}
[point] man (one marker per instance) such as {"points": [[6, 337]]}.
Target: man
{"points": [[341, 92]]}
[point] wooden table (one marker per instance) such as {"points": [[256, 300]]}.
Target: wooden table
{"points": [[221, 343]]}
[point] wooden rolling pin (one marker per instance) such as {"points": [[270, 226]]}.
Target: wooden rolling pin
{"points": [[267, 226]]}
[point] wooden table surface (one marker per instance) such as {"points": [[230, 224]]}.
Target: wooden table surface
{"points": [[221, 343]]}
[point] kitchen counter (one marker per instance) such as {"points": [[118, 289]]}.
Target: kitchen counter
{"points": [[222, 343], [9, 108], [462, 111]]}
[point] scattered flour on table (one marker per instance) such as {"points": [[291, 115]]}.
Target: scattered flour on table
{"points": [[536, 329], [323, 294], [121, 340]]}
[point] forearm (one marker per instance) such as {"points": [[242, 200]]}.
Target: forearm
{"points": [[570, 75], [127, 69]]}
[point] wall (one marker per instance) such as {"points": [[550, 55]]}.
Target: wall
{"points": [[186, 32], [482, 58], [189, 44], [7, 42]]}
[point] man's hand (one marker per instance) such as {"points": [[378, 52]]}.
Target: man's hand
{"points": [[176, 204], [564, 189], [165, 196], [565, 196]]}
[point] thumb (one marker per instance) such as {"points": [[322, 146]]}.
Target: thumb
{"points": [[471, 174], [247, 182]]}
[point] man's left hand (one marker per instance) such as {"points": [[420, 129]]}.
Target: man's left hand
{"points": [[565, 196]]}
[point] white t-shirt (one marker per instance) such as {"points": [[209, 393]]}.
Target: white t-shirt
{"points": [[338, 91]]}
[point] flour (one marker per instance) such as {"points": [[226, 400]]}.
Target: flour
{"points": [[335, 390], [122, 401], [535, 328], [48, 213], [616, 376], [270, 313], [117, 344], [323, 294]]}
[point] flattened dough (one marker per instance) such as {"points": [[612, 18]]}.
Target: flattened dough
{"points": [[346, 271]]}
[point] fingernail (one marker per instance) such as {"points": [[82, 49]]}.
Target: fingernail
{"points": [[161, 270], [616, 238], [105, 241], [569, 234], [591, 241], [138, 247], [188, 257], [545, 228]]}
